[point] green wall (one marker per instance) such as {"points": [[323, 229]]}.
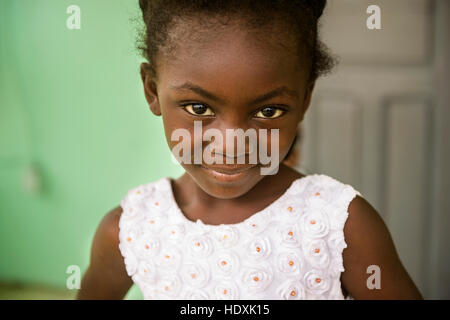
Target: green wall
{"points": [[71, 106]]}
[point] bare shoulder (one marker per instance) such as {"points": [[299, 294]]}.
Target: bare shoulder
{"points": [[106, 276], [109, 225], [369, 243]]}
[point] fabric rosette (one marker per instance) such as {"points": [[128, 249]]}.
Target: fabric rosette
{"points": [[174, 232], [195, 274], [148, 246], [169, 259], [147, 272], [200, 245], [291, 290], [159, 202], [316, 253], [129, 234], [258, 248], [289, 263], [226, 290], [227, 236], [257, 278], [319, 194], [258, 222], [154, 222], [138, 194], [169, 285], [316, 281], [226, 262], [130, 260], [337, 244], [290, 208], [314, 224], [289, 235]]}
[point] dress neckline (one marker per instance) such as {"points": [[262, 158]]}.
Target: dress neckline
{"points": [[179, 212]]}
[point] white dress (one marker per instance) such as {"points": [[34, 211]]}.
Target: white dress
{"points": [[292, 249]]}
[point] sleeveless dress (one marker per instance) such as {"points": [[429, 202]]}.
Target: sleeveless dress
{"points": [[292, 249]]}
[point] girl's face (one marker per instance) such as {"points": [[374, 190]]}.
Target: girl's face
{"points": [[229, 80]]}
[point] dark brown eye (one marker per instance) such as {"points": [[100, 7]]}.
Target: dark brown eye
{"points": [[270, 113], [198, 109]]}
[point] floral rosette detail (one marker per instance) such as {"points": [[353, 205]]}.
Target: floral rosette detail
{"points": [[148, 246], [289, 236], [316, 281], [297, 188], [159, 202], [169, 285], [316, 253], [227, 236], [154, 221], [169, 259], [138, 194], [130, 260], [314, 224], [196, 295], [258, 248], [291, 208], [129, 234], [257, 278], [200, 245], [258, 222], [338, 208], [291, 290], [174, 232], [146, 272], [226, 262], [132, 211], [290, 263], [226, 290], [337, 244], [195, 274], [320, 194]]}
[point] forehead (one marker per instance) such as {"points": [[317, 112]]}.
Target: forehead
{"points": [[231, 58]]}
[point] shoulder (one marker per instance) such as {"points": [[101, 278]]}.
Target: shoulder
{"points": [[370, 247], [106, 239], [106, 277], [109, 225]]}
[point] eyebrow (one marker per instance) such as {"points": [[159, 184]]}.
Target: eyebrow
{"points": [[283, 90]]}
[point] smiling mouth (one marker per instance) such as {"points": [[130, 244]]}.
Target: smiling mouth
{"points": [[229, 169], [229, 173]]}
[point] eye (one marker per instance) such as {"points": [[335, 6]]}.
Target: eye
{"points": [[270, 113], [198, 109]]}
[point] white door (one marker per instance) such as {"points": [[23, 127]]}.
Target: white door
{"points": [[380, 122]]}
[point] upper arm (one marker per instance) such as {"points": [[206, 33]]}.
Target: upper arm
{"points": [[106, 276], [369, 243]]}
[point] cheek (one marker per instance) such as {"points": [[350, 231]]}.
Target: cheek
{"points": [[280, 143]]}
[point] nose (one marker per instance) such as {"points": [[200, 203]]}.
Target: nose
{"points": [[239, 140]]}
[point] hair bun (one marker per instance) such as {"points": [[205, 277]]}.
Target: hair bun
{"points": [[143, 4], [317, 7]]}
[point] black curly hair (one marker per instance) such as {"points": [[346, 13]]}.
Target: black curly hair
{"points": [[298, 18]]}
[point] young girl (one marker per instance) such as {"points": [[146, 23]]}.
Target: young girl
{"points": [[225, 231]]}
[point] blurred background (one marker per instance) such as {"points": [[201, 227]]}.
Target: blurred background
{"points": [[76, 133]]}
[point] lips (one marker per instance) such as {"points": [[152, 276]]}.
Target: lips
{"points": [[227, 174], [229, 169]]}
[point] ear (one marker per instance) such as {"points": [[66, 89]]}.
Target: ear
{"points": [[150, 91], [307, 98]]}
